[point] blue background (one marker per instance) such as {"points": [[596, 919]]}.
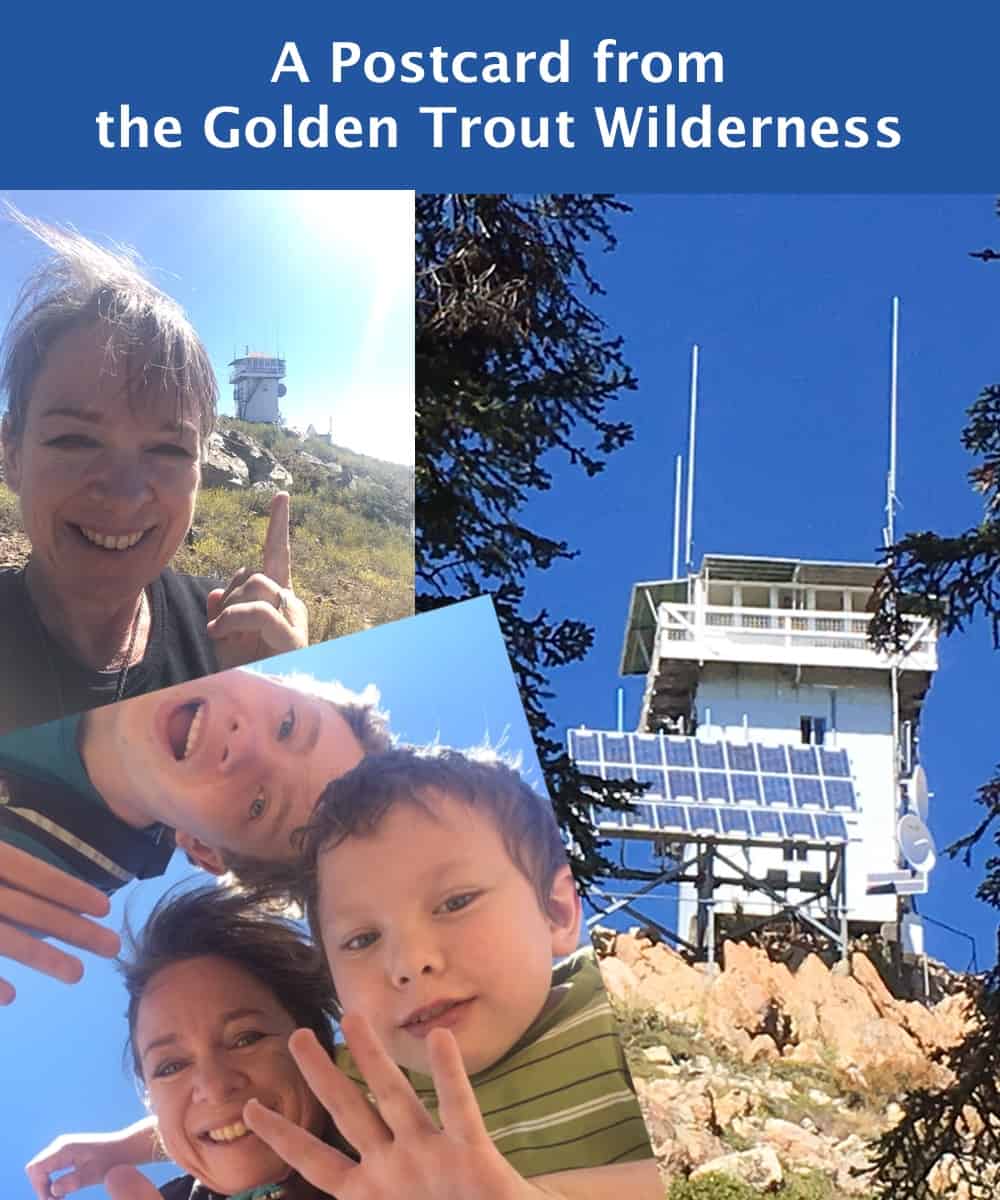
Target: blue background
{"points": [[933, 67]]}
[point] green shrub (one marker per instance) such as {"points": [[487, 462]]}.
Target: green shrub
{"points": [[806, 1185], [711, 1187]]}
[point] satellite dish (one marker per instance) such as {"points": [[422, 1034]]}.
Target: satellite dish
{"points": [[915, 843], [282, 391], [918, 792]]}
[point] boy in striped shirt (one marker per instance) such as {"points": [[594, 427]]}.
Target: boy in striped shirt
{"points": [[440, 892]]}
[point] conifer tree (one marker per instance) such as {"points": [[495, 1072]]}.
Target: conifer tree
{"points": [[953, 1133], [514, 373]]}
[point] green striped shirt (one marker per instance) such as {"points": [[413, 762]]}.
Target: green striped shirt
{"points": [[562, 1097]]}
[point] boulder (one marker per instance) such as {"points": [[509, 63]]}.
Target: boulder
{"points": [[222, 467], [759, 1167]]}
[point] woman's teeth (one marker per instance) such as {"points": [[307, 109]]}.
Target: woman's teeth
{"points": [[228, 1133], [192, 736], [123, 541]]}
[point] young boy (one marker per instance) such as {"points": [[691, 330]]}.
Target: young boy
{"points": [[439, 889], [226, 767]]}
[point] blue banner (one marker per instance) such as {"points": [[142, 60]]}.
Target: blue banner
{"points": [[661, 97]]}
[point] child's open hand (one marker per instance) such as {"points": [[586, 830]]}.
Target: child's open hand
{"points": [[403, 1151]]}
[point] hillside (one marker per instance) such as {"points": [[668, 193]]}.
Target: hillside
{"points": [[351, 523], [764, 1080]]}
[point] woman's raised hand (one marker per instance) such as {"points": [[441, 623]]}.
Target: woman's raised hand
{"points": [[37, 900], [258, 614], [403, 1151]]}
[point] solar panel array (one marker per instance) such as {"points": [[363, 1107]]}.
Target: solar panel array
{"points": [[741, 790]]}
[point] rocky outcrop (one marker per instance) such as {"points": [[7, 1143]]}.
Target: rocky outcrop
{"points": [[234, 460], [764, 1070]]}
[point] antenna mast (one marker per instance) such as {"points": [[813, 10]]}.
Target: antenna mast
{"points": [[691, 441], [889, 532], [677, 514]]}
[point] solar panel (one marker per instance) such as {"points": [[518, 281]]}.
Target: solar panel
{"points": [[799, 825], [772, 758], [616, 773], [808, 791], [746, 788], [777, 790], [672, 816], [582, 746], [683, 785], [840, 793], [679, 752], [710, 755], [714, 785], [696, 792], [834, 762], [736, 820], [766, 824], [741, 758], [647, 749], [833, 828], [704, 820], [803, 760], [615, 747], [655, 778]]}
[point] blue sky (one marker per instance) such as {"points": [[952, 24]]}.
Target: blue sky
{"points": [[326, 278], [443, 675], [789, 298]]}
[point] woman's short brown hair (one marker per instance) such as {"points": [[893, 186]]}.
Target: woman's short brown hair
{"points": [[83, 284]]}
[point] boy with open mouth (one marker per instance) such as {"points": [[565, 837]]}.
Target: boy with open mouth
{"points": [[225, 767]]}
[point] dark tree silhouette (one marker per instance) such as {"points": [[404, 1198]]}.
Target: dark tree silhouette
{"points": [[513, 371], [954, 1132]]}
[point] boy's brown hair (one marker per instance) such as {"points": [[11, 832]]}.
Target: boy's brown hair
{"points": [[357, 803]]}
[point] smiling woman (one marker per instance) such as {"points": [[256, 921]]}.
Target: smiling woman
{"points": [[110, 397], [215, 989]]}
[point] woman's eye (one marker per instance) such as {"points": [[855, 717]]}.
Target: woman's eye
{"points": [[165, 1070], [172, 450], [71, 441], [361, 941], [457, 903], [258, 805], [250, 1038], [287, 726]]}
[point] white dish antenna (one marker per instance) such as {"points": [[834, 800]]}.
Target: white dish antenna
{"points": [[915, 843], [918, 793]]}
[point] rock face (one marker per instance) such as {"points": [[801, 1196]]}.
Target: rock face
{"points": [[234, 460], [794, 1070]]}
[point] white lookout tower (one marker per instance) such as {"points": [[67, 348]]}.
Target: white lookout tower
{"points": [[779, 750], [257, 387]]}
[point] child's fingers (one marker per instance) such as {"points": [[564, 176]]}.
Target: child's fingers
{"points": [[321, 1165], [356, 1119], [458, 1108], [397, 1102]]}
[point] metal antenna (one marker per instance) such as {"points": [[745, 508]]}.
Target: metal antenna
{"points": [[678, 469], [691, 441], [889, 532]]}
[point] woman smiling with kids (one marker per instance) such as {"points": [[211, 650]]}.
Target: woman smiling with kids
{"points": [[437, 887]]}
